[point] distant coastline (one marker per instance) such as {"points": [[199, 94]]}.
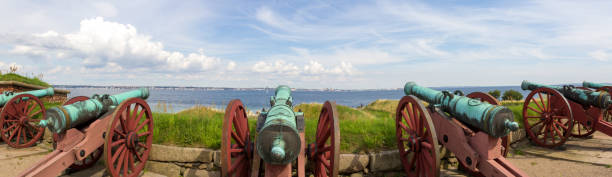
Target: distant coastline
{"points": [[272, 88]]}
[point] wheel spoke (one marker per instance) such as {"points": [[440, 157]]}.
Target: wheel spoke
{"points": [[548, 102], [404, 127], [324, 137], [118, 142], [238, 150], [120, 133], [427, 145], [140, 117], [533, 109], [30, 108], [131, 161], [541, 101], [561, 125], [14, 133], [325, 149], [120, 162], [128, 116], [237, 139], [117, 153], [123, 123], [125, 163], [405, 117], [537, 104], [9, 128], [144, 133], [142, 125], [411, 115], [19, 134]]}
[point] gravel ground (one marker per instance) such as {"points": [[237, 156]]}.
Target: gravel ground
{"points": [[578, 157]]}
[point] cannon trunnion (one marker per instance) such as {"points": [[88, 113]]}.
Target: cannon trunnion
{"points": [[553, 113], [280, 140], [118, 128], [19, 116], [474, 127]]}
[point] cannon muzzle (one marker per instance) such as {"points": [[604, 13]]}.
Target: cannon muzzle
{"points": [[495, 120], [62, 118], [584, 97], [593, 85], [279, 140], [37, 93]]}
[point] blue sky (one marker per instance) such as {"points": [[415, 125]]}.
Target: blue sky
{"points": [[308, 44]]}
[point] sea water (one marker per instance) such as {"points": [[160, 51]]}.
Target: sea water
{"points": [[175, 99]]}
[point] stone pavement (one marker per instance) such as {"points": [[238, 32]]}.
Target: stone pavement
{"points": [[14, 161]]}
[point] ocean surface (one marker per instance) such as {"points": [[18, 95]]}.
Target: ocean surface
{"points": [[175, 99]]}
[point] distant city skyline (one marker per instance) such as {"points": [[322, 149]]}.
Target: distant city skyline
{"points": [[308, 44]]}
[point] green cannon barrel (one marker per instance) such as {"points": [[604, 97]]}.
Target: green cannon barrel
{"points": [[278, 141], [37, 93], [495, 120], [593, 85], [584, 97], [62, 118]]}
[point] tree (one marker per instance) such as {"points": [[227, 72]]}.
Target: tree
{"points": [[495, 93], [512, 95]]}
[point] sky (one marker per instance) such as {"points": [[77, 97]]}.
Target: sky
{"points": [[307, 44]]}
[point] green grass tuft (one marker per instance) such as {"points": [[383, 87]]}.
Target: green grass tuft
{"points": [[366, 129], [19, 78]]}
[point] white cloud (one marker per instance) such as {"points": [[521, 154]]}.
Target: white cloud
{"points": [[278, 66], [99, 42], [313, 68]]}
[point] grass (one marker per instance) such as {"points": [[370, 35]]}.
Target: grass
{"points": [[20, 78], [366, 129]]}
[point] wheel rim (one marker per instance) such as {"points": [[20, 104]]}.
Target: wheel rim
{"points": [[581, 129], [129, 138], [411, 116], [485, 97], [19, 121], [327, 143], [547, 117], [236, 147]]}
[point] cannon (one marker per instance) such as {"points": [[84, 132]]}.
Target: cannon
{"points": [[280, 140], [607, 114], [19, 117], [473, 127], [117, 127], [597, 86], [553, 113]]}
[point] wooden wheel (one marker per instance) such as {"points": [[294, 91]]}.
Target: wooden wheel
{"points": [[92, 158], [129, 138], [547, 118], [485, 97], [236, 147], [19, 121], [584, 129], [607, 113], [416, 138], [327, 146]]}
